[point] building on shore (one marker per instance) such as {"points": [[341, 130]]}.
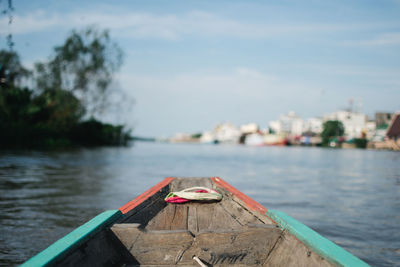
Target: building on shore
{"points": [[275, 127], [393, 132], [227, 133], [355, 123], [249, 128], [289, 124], [370, 130], [387, 137], [383, 119], [183, 138], [313, 125], [376, 130]]}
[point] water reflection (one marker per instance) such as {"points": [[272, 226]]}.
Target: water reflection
{"points": [[349, 196]]}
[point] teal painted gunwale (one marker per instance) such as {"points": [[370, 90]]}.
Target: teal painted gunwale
{"points": [[322, 246], [73, 239]]}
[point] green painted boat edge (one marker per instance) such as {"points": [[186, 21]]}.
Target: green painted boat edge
{"points": [[324, 247], [73, 239]]}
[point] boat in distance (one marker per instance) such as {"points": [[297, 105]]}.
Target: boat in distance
{"points": [[232, 230]]}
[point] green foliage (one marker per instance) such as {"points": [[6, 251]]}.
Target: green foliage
{"points": [[360, 142], [196, 135], [76, 79], [56, 108], [11, 70], [331, 129], [83, 65], [93, 132], [51, 119]]}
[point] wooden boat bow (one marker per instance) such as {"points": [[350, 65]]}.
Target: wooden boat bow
{"points": [[236, 231]]}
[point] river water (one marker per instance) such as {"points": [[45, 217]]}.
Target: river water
{"points": [[351, 197]]}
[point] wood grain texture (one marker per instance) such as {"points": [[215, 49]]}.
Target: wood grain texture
{"points": [[250, 203], [192, 223], [238, 212], [146, 211], [291, 252], [197, 217], [246, 247], [183, 183], [104, 249], [172, 217], [154, 247], [250, 246]]}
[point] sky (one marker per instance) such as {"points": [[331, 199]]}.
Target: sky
{"points": [[190, 65]]}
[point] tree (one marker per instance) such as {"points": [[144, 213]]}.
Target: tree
{"points": [[56, 109], [11, 70], [11, 98], [83, 65], [75, 79], [330, 130]]}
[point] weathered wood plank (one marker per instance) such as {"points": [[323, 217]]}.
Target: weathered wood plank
{"points": [[249, 247], [179, 218], [239, 209], [183, 183], [146, 212], [154, 247], [240, 214], [172, 217], [205, 215], [214, 217], [146, 195], [102, 250], [148, 208], [192, 219], [291, 252]]}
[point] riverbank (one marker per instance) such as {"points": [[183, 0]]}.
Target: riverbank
{"points": [[390, 144]]}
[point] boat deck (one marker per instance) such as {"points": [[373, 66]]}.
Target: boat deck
{"points": [[227, 232]]}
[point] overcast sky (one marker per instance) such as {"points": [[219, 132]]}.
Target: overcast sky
{"points": [[192, 64]]}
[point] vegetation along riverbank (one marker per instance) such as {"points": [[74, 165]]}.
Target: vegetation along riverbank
{"points": [[59, 102]]}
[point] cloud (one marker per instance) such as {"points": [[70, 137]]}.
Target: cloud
{"points": [[33, 22], [384, 39], [164, 26], [233, 88], [240, 81]]}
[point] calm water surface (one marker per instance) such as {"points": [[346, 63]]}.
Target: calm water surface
{"points": [[352, 197]]}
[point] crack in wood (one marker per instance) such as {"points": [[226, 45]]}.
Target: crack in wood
{"points": [[179, 256], [278, 240], [173, 217], [131, 246]]}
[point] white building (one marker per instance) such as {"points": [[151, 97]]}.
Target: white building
{"points": [[275, 126], [291, 123], [313, 125], [227, 133], [287, 124], [249, 128], [354, 123], [371, 129]]}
